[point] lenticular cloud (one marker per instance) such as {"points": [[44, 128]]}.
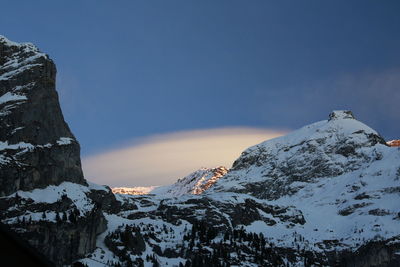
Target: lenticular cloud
{"points": [[162, 159]]}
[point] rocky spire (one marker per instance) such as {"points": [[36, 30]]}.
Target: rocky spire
{"points": [[37, 148]]}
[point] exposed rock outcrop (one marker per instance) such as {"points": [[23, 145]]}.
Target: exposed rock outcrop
{"points": [[37, 148], [195, 183], [43, 194], [393, 143], [138, 190]]}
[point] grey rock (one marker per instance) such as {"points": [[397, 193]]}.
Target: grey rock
{"points": [[34, 117], [37, 149]]}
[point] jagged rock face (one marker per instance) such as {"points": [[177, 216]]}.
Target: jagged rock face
{"points": [[195, 183], [62, 221], [393, 143], [201, 180], [43, 194], [37, 147]]}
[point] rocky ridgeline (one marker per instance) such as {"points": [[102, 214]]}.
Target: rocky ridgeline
{"points": [[138, 190], [393, 143], [324, 195], [195, 183]]}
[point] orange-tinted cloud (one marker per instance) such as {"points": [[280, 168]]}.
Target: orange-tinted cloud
{"points": [[162, 159]]}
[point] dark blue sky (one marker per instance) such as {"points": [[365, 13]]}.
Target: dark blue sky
{"points": [[130, 69]]}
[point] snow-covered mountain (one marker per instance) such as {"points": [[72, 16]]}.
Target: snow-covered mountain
{"points": [[137, 190], [339, 173], [195, 183], [327, 194]]}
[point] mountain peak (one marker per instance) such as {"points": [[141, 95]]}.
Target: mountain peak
{"points": [[323, 149], [195, 183], [341, 114]]}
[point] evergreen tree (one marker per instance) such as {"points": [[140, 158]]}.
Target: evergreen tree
{"points": [[226, 236], [129, 262], [58, 219], [64, 216], [72, 217], [17, 198]]}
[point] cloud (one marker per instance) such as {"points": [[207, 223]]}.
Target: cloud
{"points": [[162, 159]]}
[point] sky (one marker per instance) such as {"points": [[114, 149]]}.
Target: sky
{"points": [[132, 70]]}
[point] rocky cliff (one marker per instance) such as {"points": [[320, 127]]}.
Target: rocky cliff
{"points": [[195, 183], [44, 196], [37, 147]]}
